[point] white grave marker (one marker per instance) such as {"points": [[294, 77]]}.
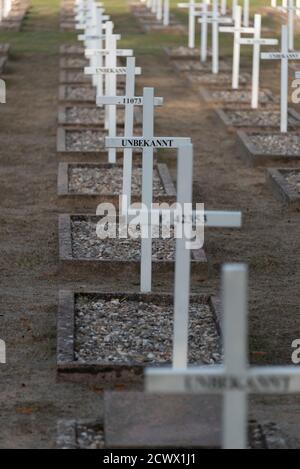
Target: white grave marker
{"points": [[236, 379], [193, 12], [284, 56], [215, 20], [129, 101], [237, 30], [257, 41], [184, 196]]}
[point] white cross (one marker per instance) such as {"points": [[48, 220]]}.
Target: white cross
{"points": [[184, 196], [290, 8], [215, 19], [235, 380], [129, 101], [246, 13], [193, 9], [237, 30], [111, 72], [257, 41], [2, 352], [284, 56]]}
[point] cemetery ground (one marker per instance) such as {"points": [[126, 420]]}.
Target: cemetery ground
{"points": [[32, 401]]}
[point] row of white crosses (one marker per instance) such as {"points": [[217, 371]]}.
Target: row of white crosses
{"points": [[235, 380], [101, 48], [5, 8], [292, 8], [160, 8], [196, 9], [184, 150]]}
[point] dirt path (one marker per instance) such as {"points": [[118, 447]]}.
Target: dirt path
{"points": [[31, 400]]}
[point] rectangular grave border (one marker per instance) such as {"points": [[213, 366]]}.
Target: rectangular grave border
{"points": [[254, 157], [213, 86], [71, 50], [91, 201], [206, 95], [63, 65], [64, 78], [178, 64], [106, 373], [62, 117], [67, 433], [89, 267], [4, 49], [62, 94], [281, 189], [15, 19], [221, 114], [170, 52]]}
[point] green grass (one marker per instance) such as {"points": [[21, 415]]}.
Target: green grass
{"points": [[45, 14]]}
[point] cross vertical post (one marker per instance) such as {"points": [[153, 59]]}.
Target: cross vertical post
{"points": [[147, 189], [235, 279], [183, 262]]}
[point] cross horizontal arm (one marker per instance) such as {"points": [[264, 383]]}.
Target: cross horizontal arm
{"points": [[226, 29], [264, 42], [215, 380], [141, 142], [123, 101], [95, 37], [109, 70], [280, 55], [100, 52]]}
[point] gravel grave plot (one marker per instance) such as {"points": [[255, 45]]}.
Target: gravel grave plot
{"points": [[89, 115], [194, 66], [85, 140], [89, 436], [237, 96], [183, 52], [4, 48], [86, 180], [75, 62], [217, 80], [80, 93], [87, 245], [256, 118], [276, 144], [77, 77], [132, 331], [293, 179], [71, 49]]}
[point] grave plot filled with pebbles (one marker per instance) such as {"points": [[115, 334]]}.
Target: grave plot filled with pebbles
{"points": [[292, 178], [86, 115], [74, 77], [87, 245], [275, 144], [222, 79], [182, 52], [122, 330], [101, 180], [74, 62], [84, 140], [89, 436], [194, 66], [254, 118], [235, 96], [71, 49], [80, 93]]}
